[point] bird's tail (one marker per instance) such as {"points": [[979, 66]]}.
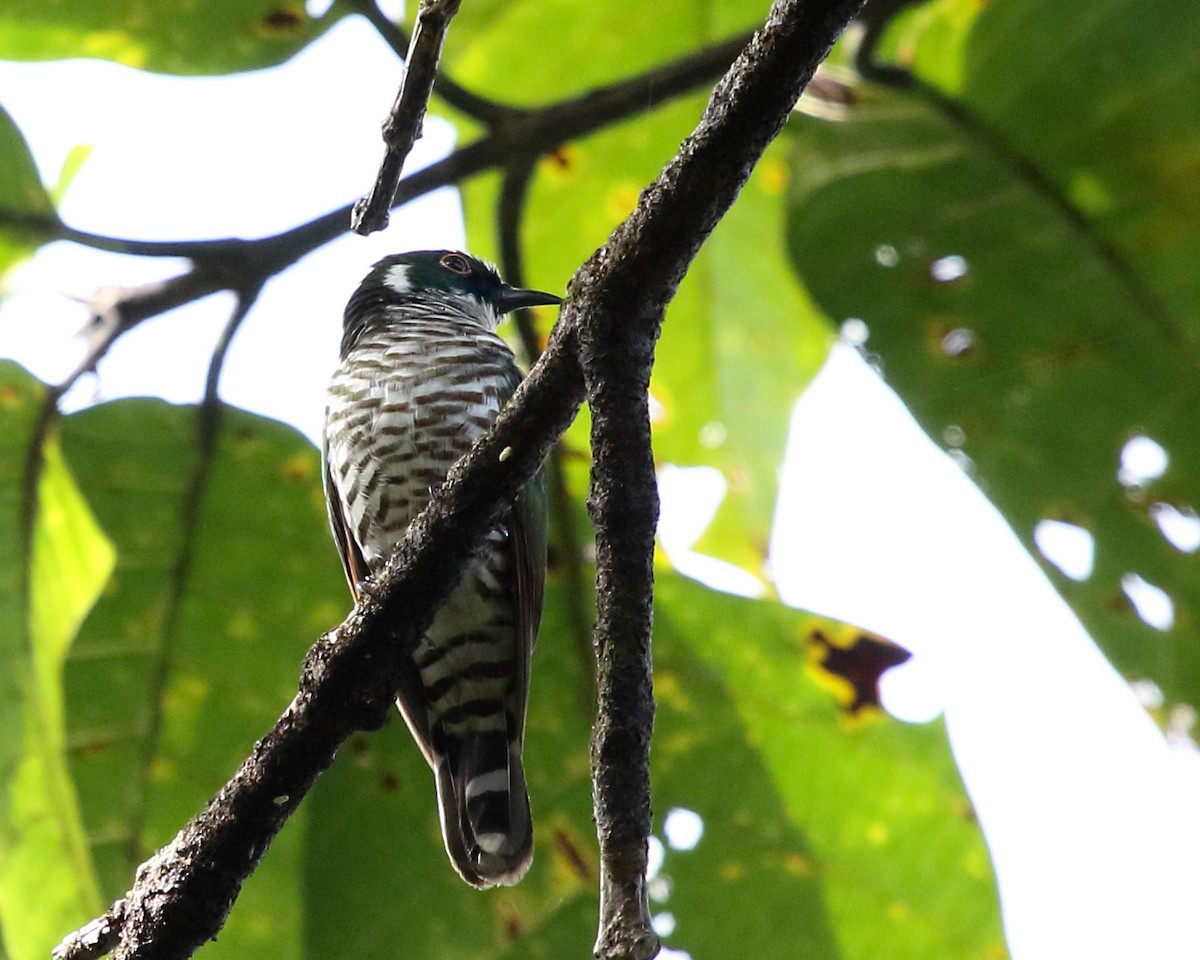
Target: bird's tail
{"points": [[484, 809]]}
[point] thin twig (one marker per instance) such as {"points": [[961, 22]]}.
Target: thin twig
{"points": [[403, 125], [208, 426]]}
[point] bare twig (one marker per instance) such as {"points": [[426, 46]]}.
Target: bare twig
{"points": [[208, 426], [403, 125]]}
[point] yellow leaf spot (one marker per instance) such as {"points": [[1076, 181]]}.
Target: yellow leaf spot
{"points": [[731, 871], [242, 626], [798, 864], [877, 833], [976, 864], [772, 176], [299, 467], [898, 911], [669, 691], [114, 45], [621, 200], [9, 398]]}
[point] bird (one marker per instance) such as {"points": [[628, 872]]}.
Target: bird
{"points": [[422, 375]]}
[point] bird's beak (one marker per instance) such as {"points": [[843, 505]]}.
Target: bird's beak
{"points": [[512, 298]]}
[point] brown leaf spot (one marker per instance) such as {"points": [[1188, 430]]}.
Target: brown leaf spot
{"points": [[389, 782], [857, 662], [573, 856], [283, 20]]}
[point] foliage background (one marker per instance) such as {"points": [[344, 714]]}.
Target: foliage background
{"points": [[158, 606]]}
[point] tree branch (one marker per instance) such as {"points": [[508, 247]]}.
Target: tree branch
{"points": [[403, 125], [183, 893]]}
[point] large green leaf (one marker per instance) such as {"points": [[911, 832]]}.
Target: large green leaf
{"points": [[1066, 182], [503, 49], [177, 671], [874, 814], [21, 192], [42, 842], [212, 36]]}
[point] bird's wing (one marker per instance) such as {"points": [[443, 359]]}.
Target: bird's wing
{"points": [[527, 534], [352, 559]]}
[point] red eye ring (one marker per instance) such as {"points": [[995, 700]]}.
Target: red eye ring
{"points": [[456, 263]]}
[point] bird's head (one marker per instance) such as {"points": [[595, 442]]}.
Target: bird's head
{"points": [[429, 278]]}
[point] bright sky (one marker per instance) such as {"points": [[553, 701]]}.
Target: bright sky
{"points": [[1089, 813]]}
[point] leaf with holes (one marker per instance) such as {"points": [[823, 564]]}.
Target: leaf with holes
{"points": [[1023, 259]]}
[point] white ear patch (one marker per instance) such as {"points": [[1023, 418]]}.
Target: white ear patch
{"points": [[397, 278]]}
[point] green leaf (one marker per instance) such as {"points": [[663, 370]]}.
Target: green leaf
{"points": [[493, 46], [195, 648], [42, 844], [1066, 182], [76, 157], [21, 192], [868, 825], [213, 36]]}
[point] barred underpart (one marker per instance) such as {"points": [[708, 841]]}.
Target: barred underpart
{"points": [[412, 394]]}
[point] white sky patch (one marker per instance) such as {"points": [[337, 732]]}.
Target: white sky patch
{"points": [[690, 497], [683, 828], [948, 269], [855, 331], [655, 854], [1142, 460], [1153, 604], [1069, 547], [1180, 527]]}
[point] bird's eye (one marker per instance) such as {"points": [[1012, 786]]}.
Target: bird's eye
{"points": [[456, 263]]}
